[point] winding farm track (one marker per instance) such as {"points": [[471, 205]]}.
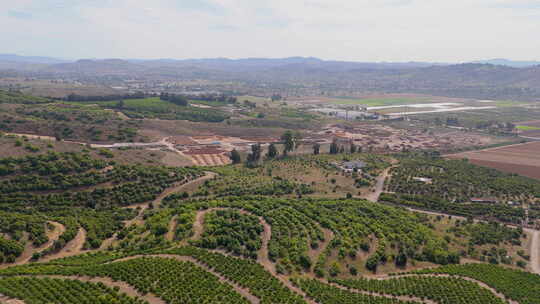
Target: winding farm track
{"points": [[156, 203], [535, 250], [379, 186], [242, 291], [29, 249], [533, 233], [262, 254], [73, 247]]}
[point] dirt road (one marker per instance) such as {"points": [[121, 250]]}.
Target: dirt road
{"points": [[73, 247], [379, 186], [533, 234], [262, 254], [29, 249], [535, 250]]}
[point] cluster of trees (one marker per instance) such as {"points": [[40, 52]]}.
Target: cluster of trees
{"points": [[324, 293], [71, 191], [515, 284], [500, 212], [213, 97], [178, 100], [492, 233], [9, 250], [437, 289], [291, 141], [459, 180], [173, 281], [234, 181], [84, 98], [17, 97], [51, 290], [246, 273], [14, 223], [356, 224], [233, 231], [336, 148]]}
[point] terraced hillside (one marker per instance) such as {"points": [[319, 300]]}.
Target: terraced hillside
{"points": [[100, 232], [50, 201]]}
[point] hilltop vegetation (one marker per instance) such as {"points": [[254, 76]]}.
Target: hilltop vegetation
{"points": [[19, 98], [77, 191]]}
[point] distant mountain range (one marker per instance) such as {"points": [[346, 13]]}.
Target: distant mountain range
{"points": [[30, 59], [490, 79], [510, 63], [258, 62]]}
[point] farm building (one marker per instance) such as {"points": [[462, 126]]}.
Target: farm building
{"points": [[491, 200], [423, 179], [350, 165]]}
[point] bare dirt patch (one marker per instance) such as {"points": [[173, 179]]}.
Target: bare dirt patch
{"points": [[8, 300], [523, 159]]}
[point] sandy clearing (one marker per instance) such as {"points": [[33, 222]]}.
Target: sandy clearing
{"points": [[535, 250], [7, 300]]}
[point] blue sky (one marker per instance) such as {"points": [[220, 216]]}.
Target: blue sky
{"points": [[359, 30]]}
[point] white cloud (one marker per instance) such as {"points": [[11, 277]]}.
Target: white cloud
{"points": [[363, 30]]}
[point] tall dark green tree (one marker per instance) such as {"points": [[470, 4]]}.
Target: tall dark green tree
{"points": [[255, 155], [235, 157], [334, 148], [316, 148], [288, 141], [272, 151]]}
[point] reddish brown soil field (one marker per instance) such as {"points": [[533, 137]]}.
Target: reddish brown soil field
{"points": [[523, 159]]}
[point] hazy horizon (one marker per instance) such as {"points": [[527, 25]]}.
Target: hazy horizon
{"points": [[344, 30]]}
